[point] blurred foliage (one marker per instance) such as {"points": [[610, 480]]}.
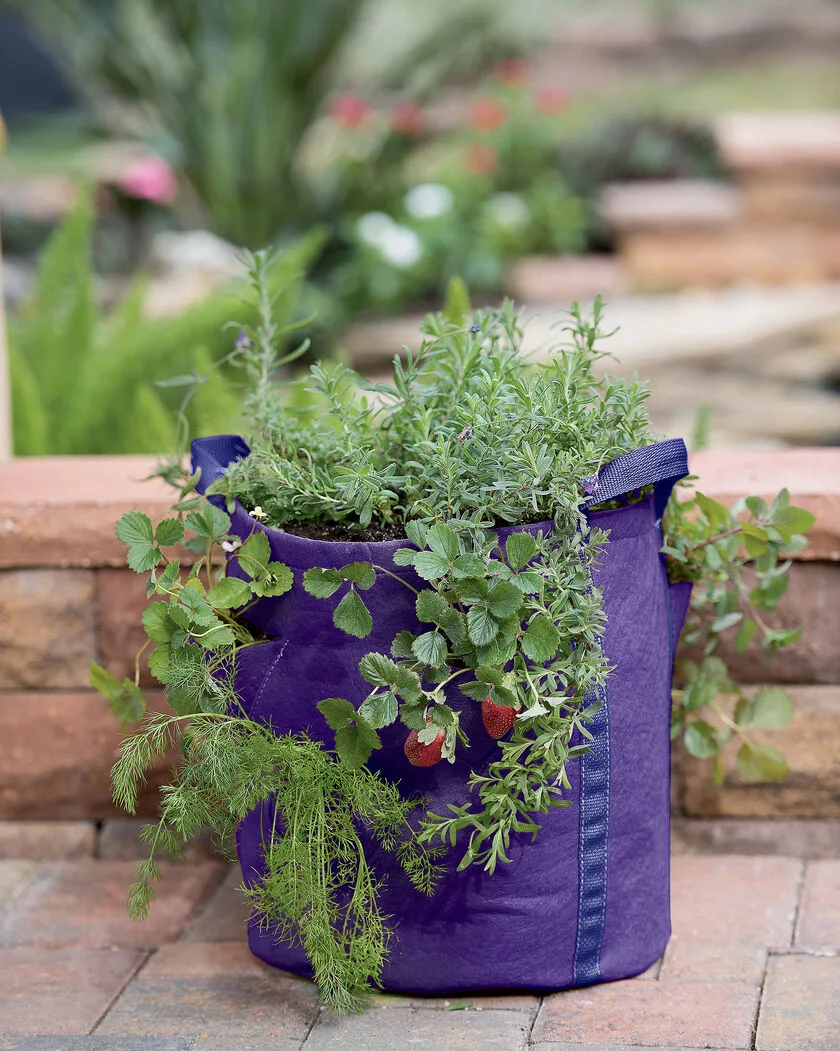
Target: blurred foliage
{"points": [[84, 381], [225, 91], [645, 146]]}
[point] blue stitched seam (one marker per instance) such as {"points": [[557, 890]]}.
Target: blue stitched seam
{"points": [[592, 849]]}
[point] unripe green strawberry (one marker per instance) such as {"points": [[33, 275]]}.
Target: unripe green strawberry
{"points": [[420, 754], [498, 718]]}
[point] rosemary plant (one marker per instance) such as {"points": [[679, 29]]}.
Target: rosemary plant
{"points": [[468, 437]]}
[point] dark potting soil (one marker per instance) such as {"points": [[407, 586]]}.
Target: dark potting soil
{"points": [[338, 533]]}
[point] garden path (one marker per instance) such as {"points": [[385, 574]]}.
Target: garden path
{"points": [[754, 962]]}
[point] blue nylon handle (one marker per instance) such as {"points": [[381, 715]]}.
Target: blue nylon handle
{"points": [[214, 455], [662, 465]]}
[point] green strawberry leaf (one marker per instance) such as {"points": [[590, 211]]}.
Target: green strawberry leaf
{"points": [[228, 593], [134, 530], [254, 555], [378, 670], [520, 549], [336, 711], [352, 616], [401, 646], [443, 541], [541, 640], [430, 648], [481, 627], [431, 606], [702, 740], [169, 531], [354, 744], [504, 599], [362, 574], [468, 565], [429, 565], [772, 708], [322, 583], [760, 762], [379, 709]]}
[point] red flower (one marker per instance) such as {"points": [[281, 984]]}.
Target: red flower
{"points": [[488, 114], [407, 119], [481, 159], [349, 110], [551, 99], [512, 71]]}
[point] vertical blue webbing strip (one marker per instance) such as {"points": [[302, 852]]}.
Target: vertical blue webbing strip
{"points": [[593, 836]]}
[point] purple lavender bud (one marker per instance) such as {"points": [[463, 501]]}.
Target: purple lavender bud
{"points": [[589, 485], [475, 328], [242, 342]]}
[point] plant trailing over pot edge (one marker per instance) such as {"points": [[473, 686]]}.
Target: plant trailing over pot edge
{"points": [[485, 465]]}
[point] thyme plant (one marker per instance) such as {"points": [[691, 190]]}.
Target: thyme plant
{"points": [[468, 437]]}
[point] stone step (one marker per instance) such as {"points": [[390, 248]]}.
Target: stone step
{"points": [[676, 204], [799, 141]]}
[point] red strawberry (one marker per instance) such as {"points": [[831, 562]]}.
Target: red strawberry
{"points": [[498, 718], [419, 754]]}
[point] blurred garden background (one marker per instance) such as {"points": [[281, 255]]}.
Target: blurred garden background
{"points": [[682, 158]]}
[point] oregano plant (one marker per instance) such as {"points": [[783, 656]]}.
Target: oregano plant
{"points": [[479, 462]]}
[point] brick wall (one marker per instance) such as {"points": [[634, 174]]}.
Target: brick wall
{"points": [[66, 597]]}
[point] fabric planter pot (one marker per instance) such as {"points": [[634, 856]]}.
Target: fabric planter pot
{"points": [[588, 901]]}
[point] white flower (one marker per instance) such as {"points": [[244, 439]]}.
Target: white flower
{"points": [[231, 545], [508, 210], [428, 200], [258, 513], [374, 227], [401, 247]]}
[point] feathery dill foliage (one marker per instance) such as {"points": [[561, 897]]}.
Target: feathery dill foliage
{"points": [[317, 890]]}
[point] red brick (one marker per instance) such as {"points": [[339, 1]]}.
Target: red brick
{"points": [[791, 839], [121, 596], [818, 923], [811, 475], [213, 990], [47, 637], [800, 1008], [84, 903], [719, 961], [58, 510], [46, 840], [655, 1014], [119, 840], [732, 899], [60, 991], [56, 762], [811, 788], [810, 603]]}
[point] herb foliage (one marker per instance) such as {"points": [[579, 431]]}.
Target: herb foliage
{"points": [[469, 437]]}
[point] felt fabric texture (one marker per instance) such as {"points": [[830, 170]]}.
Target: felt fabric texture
{"points": [[517, 928]]}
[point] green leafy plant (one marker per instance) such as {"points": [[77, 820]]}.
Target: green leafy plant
{"points": [[86, 380], [467, 438]]}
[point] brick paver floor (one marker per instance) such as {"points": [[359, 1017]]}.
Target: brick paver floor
{"points": [[753, 964]]}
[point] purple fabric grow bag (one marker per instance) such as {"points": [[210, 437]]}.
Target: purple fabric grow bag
{"points": [[589, 900]]}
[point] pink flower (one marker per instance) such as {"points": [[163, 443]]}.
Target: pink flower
{"points": [[407, 118], [349, 110], [481, 159], [149, 179], [551, 99], [512, 71], [488, 114]]}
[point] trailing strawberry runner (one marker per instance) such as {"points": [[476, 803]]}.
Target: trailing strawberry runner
{"points": [[467, 686]]}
